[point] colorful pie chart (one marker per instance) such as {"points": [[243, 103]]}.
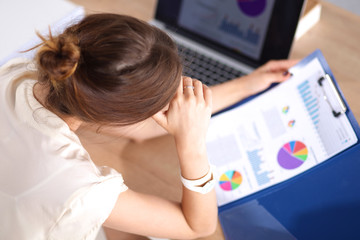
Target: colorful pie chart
{"points": [[291, 123], [230, 180], [292, 155], [252, 8], [285, 109]]}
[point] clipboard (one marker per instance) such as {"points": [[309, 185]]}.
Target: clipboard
{"points": [[320, 202]]}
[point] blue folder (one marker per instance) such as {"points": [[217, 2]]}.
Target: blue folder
{"points": [[320, 203]]}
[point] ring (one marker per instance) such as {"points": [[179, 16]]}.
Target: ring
{"points": [[189, 86]]}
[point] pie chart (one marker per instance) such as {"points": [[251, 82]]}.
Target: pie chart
{"points": [[292, 155], [230, 180], [252, 8]]}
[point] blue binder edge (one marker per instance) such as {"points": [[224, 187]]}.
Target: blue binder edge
{"points": [[329, 186]]}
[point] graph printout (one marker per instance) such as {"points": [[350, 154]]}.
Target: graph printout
{"points": [[277, 135]]}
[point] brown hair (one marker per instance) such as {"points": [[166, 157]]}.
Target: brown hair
{"points": [[109, 69]]}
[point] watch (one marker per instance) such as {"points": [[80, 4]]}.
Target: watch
{"points": [[202, 185]]}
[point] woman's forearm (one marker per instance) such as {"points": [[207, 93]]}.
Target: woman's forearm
{"points": [[228, 93], [200, 210]]}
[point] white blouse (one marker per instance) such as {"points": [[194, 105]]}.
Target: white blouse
{"points": [[49, 187]]}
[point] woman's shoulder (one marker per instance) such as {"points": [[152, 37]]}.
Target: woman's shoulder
{"points": [[17, 67], [15, 64]]}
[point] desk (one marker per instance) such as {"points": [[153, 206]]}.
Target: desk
{"points": [[337, 35]]}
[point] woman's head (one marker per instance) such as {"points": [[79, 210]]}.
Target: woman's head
{"points": [[109, 69]]}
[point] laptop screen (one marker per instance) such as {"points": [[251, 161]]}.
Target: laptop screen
{"points": [[251, 31], [240, 25]]}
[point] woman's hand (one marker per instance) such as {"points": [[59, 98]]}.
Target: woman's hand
{"points": [[189, 112], [274, 71], [187, 119], [231, 92]]}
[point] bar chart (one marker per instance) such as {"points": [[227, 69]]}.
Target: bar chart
{"points": [[261, 175], [311, 102], [250, 35]]}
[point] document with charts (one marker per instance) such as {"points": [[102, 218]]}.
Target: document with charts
{"points": [[278, 134]]}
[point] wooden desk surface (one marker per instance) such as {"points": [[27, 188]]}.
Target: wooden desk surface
{"points": [[152, 167], [337, 35]]}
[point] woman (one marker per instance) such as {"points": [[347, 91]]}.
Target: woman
{"points": [[110, 72]]}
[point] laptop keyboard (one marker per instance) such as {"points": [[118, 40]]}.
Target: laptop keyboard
{"points": [[206, 69]]}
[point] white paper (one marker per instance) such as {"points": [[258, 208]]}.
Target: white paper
{"points": [[275, 136]]}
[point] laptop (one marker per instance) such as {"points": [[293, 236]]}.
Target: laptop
{"points": [[219, 40]]}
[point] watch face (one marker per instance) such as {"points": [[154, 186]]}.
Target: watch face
{"points": [[208, 186], [194, 185]]}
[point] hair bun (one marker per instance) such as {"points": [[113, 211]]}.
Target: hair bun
{"points": [[58, 56]]}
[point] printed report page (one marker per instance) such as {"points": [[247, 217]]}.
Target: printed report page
{"points": [[277, 135]]}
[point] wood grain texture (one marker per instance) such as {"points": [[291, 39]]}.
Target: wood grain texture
{"points": [[337, 35]]}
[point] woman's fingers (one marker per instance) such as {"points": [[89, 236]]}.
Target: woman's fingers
{"points": [[193, 87], [207, 96], [273, 77], [198, 89], [188, 86], [279, 65], [193, 99]]}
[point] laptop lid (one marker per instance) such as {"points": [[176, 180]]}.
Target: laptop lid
{"points": [[250, 31]]}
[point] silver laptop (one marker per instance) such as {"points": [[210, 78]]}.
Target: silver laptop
{"points": [[224, 39]]}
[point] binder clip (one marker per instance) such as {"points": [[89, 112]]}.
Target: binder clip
{"points": [[332, 95]]}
